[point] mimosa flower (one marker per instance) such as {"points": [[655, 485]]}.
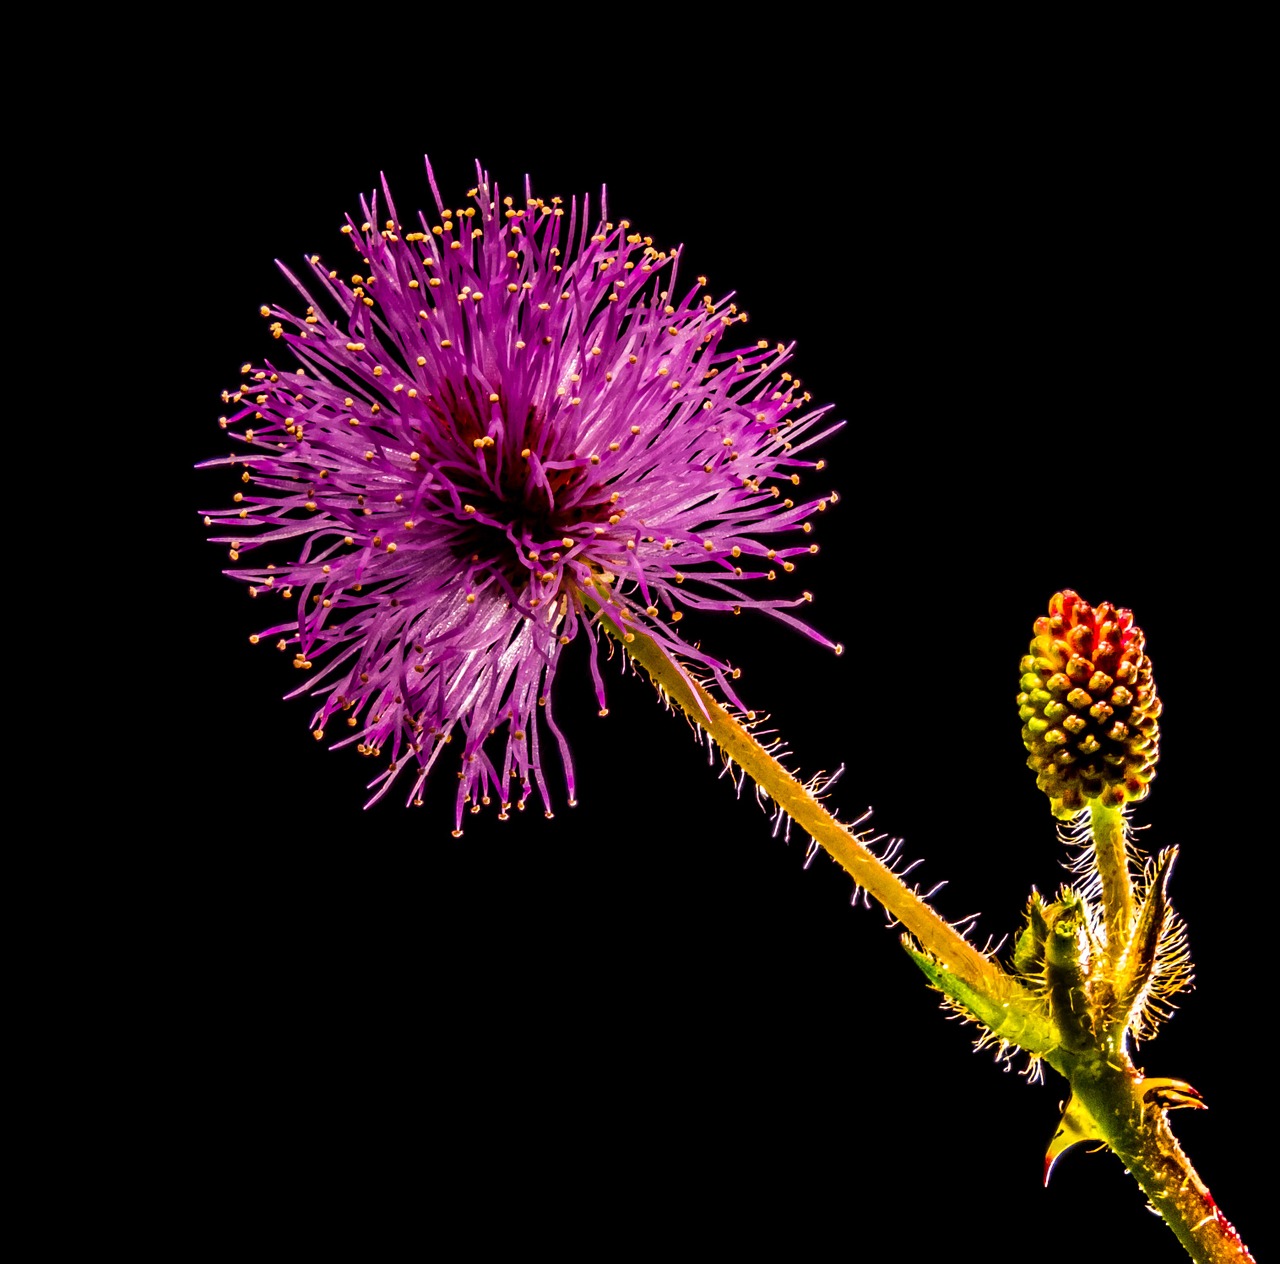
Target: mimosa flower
{"points": [[502, 419]]}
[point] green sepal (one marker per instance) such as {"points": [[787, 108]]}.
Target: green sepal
{"points": [[1017, 1017], [1139, 961]]}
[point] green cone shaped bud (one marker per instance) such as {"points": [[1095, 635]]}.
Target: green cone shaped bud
{"points": [[1068, 964], [1088, 705], [1028, 952]]}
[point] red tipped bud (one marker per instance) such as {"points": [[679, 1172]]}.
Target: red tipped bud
{"points": [[1088, 706]]}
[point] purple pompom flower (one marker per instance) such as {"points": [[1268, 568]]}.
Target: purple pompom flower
{"points": [[501, 421]]}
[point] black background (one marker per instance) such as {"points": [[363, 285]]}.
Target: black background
{"points": [[644, 1020]]}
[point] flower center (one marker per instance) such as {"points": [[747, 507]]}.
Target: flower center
{"points": [[525, 504]]}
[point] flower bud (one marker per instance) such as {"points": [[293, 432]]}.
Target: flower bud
{"points": [[1088, 706]]}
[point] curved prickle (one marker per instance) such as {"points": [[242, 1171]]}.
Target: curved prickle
{"points": [[1075, 1126]]}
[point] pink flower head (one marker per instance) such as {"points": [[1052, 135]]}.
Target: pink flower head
{"points": [[500, 420]]}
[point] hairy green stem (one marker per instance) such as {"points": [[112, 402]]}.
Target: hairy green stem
{"points": [[1138, 1132], [1107, 825], [934, 933]]}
